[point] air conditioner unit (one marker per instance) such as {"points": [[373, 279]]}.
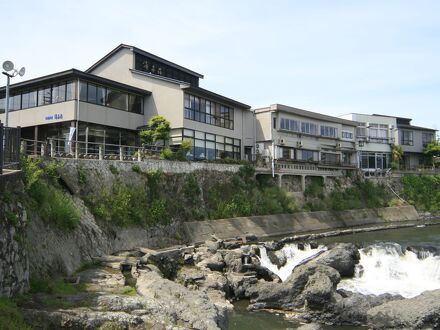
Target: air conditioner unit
{"points": [[281, 141], [299, 144], [338, 145]]}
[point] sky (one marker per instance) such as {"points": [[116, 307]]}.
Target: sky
{"points": [[332, 57]]}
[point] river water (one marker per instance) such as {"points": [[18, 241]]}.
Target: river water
{"points": [[383, 260]]}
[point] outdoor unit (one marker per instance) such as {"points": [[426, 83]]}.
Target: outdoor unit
{"points": [[281, 141], [338, 145], [299, 144]]}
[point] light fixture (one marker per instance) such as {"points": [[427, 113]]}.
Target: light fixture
{"points": [[8, 66]]}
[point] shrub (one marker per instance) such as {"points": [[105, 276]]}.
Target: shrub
{"points": [[113, 169], [167, 153], [136, 168], [10, 316], [422, 191]]}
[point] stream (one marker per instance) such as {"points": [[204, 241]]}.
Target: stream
{"points": [[386, 266]]}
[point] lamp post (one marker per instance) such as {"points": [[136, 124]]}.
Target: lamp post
{"points": [[10, 72]]}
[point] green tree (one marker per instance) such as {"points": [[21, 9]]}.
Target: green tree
{"points": [[158, 129], [396, 155], [432, 152]]}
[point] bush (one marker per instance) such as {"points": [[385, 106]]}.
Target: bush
{"points": [[136, 168], [113, 169], [10, 316], [167, 153], [422, 191]]}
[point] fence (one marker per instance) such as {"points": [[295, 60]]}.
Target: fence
{"points": [[89, 150], [9, 148]]}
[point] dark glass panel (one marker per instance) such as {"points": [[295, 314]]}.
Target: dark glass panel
{"points": [[83, 91], [117, 99], [91, 93], [135, 104], [100, 95]]}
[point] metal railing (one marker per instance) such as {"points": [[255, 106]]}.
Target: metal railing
{"points": [[9, 148], [61, 148]]}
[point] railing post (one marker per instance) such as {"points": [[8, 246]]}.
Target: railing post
{"points": [[76, 149], [121, 153], [52, 148], [1, 147], [24, 147], [100, 152], [139, 155], [43, 149]]}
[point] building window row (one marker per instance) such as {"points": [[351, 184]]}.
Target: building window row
{"points": [[307, 128], [210, 146], [378, 132], [347, 135], [109, 97], [55, 93], [146, 64], [208, 112], [289, 153]]}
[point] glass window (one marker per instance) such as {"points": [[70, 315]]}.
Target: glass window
{"points": [[117, 99], [186, 102], [200, 135], [15, 102], [307, 155], [199, 149], [83, 91], [29, 100], [91, 93], [135, 104], [100, 95], [228, 140], [44, 96], [58, 93], [210, 150], [309, 128], [236, 142], [347, 135], [69, 91], [328, 131], [210, 137], [2, 105], [427, 138]]}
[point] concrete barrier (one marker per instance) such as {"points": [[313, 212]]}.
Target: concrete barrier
{"points": [[300, 222]]}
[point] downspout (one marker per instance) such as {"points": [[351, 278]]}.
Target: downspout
{"points": [[77, 120]]}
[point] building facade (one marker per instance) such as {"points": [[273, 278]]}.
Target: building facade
{"points": [[116, 96], [295, 135]]}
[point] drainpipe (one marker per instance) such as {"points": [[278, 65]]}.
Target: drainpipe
{"points": [[273, 158]]}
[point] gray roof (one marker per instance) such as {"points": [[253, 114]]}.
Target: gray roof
{"points": [[71, 74], [417, 128], [308, 114], [143, 52]]}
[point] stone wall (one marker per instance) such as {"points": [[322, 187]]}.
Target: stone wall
{"points": [[300, 222], [14, 267]]}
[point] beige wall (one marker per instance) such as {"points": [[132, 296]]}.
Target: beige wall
{"points": [[166, 98], [39, 115]]}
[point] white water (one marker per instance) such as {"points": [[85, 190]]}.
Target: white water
{"points": [[384, 268], [293, 255]]}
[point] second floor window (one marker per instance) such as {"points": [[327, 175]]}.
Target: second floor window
{"points": [[329, 131], [427, 138], [407, 138]]}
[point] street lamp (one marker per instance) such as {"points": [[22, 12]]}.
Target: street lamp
{"points": [[9, 66]]}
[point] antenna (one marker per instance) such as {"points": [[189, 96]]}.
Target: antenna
{"points": [[22, 71], [8, 66]]}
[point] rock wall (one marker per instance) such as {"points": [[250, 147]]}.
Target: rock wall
{"points": [[284, 224], [14, 267], [56, 251]]}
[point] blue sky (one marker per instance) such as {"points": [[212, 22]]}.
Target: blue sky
{"points": [[332, 57]]}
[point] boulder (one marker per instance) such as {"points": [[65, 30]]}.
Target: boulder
{"points": [[343, 257], [193, 308], [277, 258], [421, 312], [214, 262], [311, 326], [318, 291]]}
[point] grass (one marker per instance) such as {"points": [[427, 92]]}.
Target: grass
{"points": [[129, 291], [10, 316], [54, 286]]}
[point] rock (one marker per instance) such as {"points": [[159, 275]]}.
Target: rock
{"points": [[278, 258], [213, 246], [119, 303], [262, 272], [318, 291], [423, 251], [343, 257], [421, 312], [231, 245], [233, 260], [179, 304], [240, 285], [314, 244], [273, 245], [100, 279], [214, 262]]}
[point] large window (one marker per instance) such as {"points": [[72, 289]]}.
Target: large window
{"points": [[407, 138], [208, 112], [307, 155], [330, 158], [101, 95], [374, 160], [309, 128], [378, 132], [209, 146], [347, 135], [290, 125], [329, 131]]}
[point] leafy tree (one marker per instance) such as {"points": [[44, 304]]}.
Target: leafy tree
{"points": [[158, 129], [432, 151]]}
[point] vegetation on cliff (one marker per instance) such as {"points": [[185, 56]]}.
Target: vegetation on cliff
{"points": [[46, 196], [423, 191]]}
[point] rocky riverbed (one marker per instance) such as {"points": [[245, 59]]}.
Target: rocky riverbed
{"points": [[193, 287]]}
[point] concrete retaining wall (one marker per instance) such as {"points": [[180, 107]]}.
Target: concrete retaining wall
{"points": [[284, 224]]}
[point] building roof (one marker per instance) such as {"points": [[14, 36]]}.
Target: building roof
{"points": [[212, 95], [143, 52], [306, 113], [417, 128], [70, 74]]}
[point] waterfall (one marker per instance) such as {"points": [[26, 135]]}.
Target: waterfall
{"points": [[385, 268], [294, 256]]}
